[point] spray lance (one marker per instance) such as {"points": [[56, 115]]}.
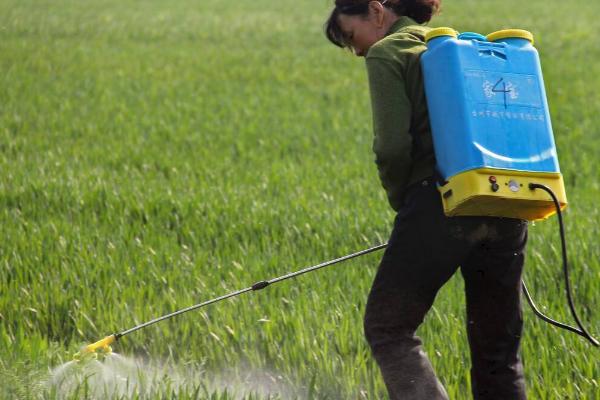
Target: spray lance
{"points": [[104, 345]]}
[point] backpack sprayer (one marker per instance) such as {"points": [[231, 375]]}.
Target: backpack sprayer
{"points": [[493, 144], [492, 133]]}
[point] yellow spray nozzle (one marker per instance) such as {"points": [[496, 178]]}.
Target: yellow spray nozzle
{"points": [[91, 349]]}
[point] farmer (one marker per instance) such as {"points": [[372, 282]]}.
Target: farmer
{"points": [[426, 247]]}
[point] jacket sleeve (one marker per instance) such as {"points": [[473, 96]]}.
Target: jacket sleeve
{"points": [[391, 109]]}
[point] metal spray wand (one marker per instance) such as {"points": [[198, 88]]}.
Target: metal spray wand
{"points": [[104, 344]]}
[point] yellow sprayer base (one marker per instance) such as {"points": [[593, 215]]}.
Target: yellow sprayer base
{"points": [[472, 193]]}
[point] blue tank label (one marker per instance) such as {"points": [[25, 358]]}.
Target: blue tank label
{"points": [[504, 89]]}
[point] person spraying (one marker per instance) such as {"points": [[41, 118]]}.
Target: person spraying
{"points": [[509, 182]]}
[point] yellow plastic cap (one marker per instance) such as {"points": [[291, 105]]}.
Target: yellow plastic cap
{"points": [[437, 32], [510, 33]]}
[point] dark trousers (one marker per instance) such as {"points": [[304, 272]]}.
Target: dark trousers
{"points": [[424, 251]]}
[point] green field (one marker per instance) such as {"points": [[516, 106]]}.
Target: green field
{"points": [[157, 154]]}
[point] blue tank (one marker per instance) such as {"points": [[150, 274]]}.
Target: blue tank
{"points": [[487, 102]]}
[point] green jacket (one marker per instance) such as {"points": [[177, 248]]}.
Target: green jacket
{"points": [[403, 145]]}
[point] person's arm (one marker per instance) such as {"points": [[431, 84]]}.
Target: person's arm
{"points": [[392, 111]]}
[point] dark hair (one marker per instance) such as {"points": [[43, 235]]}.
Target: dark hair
{"points": [[420, 10]]}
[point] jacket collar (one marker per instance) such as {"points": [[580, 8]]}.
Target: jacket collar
{"points": [[402, 22]]}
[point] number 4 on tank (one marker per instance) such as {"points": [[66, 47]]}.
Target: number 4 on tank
{"points": [[507, 89]]}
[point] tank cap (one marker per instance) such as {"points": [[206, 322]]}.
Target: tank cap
{"points": [[437, 32], [510, 33]]}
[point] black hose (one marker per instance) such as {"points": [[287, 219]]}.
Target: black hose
{"points": [[581, 331]]}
